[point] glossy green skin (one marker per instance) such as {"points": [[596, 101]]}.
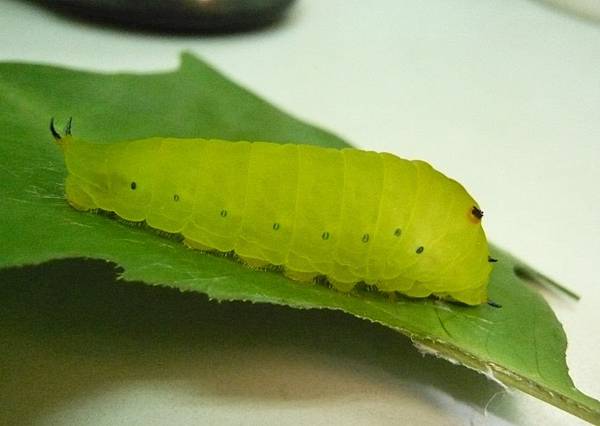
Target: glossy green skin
{"points": [[348, 214]]}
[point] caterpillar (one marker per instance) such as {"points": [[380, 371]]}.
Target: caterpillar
{"points": [[349, 215]]}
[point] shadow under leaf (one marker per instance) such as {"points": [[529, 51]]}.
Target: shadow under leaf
{"points": [[70, 329]]}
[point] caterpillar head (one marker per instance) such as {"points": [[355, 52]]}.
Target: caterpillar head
{"points": [[446, 246]]}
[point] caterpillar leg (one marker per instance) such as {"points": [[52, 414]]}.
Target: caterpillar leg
{"points": [[77, 197], [472, 296], [196, 245], [396, 284], [307, 277], [417, 290], [77, 206], [407, 287], [340, 286], [255, 263], [391, 295]]}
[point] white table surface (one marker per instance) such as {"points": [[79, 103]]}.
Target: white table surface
{"points": [[511, 88]]}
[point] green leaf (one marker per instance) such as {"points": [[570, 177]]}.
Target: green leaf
{"points": [[520, 344]]}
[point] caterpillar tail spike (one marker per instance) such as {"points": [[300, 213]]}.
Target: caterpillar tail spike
{"points": [[68, 127], [53, 130]]}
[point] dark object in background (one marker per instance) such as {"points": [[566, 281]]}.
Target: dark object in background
{"points": [[180, 16]]}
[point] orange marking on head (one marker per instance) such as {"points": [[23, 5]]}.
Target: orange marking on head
{"points": [[475, 215]]}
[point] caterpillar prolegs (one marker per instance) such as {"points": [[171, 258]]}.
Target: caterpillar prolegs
{"points": [[350, 215]]}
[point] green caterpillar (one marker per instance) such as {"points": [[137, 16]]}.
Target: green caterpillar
{"points": [[350, 215]]}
